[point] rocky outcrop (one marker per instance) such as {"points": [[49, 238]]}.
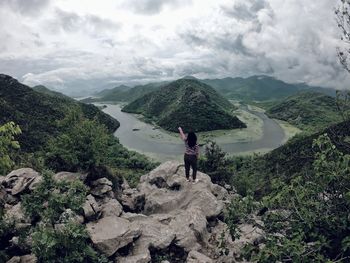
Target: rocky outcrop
{"points": [[165, 217], [111, 233]]}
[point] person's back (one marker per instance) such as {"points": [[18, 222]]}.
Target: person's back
{"points": [[191, 154]]}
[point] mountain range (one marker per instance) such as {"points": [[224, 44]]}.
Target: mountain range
{"points": [[254, 88]]}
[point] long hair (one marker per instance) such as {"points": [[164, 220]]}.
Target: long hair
{"points": [[191, 139]]}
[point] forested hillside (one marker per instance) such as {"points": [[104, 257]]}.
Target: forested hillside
{"points": [[187, 103]]}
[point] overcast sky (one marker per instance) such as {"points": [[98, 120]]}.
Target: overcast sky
{"points": [[67, 44]]}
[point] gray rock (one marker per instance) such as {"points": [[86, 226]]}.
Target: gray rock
{"points": [[69, 177], [15, 259], [29, 259], [15, 214], [109, 234], [138, 256], [111, 208], [90, 207], [102, 181], [132, 200], [196, 257], [101, 187], [19, 180]]}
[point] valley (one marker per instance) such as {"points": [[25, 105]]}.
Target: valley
{"points": [[261, 135]]}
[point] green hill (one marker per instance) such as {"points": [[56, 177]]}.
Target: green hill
{"points": [[187, 103], [119, 94], [259, 88], [38, 112], [307, 110]]}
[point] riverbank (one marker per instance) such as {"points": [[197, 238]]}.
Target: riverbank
{"points": [[263, 134]]}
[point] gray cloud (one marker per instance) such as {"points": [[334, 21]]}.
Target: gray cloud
{"points": [[26, 7], [245, 10], [152, 7], [72, 22]]}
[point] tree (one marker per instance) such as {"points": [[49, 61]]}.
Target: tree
{"points": [[343, 20], [83, 144], [8, 132]]}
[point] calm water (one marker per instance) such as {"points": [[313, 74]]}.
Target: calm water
{"points": [[142, 137]]}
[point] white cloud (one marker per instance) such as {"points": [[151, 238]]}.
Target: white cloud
{"points": [[69, 45]]}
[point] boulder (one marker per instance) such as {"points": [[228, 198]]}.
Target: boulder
{"points": [[109, 234], [19, 180], [196, 257], [29, 259], [132, 200], [111, 208], [15, 259], [69, 177], [90, 207], [15, 214], [101, 187]]}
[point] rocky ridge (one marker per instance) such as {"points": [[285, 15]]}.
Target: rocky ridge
{"points": [[164, 219]]}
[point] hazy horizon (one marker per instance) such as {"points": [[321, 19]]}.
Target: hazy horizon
{"points": [[75, 47]]}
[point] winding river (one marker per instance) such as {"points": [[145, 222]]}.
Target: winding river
{"points": [[160, 145]]}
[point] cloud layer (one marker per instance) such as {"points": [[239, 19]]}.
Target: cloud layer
{"points": [[73, 47]]}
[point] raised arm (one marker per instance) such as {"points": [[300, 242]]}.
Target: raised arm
{"points": [[182, 135]]}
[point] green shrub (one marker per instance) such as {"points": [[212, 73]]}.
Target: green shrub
{"points": [[311, 222], [50, 198], [216, 164], [8, 132], [68, 244]]}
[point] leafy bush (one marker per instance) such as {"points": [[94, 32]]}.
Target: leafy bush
{"points": [[82, 145], [310, 222], [7, 143], [50, 199], [68, 244], [215, 164]]}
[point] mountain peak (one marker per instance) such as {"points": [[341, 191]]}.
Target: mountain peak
{"points": [[189, 77], [7, 78]]}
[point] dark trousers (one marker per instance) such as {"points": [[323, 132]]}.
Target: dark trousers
{"points": [[190, 161]]}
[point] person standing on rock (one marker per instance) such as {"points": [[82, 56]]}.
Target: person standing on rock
{"points": [[191, 154]]}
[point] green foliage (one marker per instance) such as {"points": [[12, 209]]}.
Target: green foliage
{"points": [[309, 111], [215, 164], [67, 244], [343, 104], [8, 132], [309, 219], [189, 104], [259, 88], [239, 210], [51, 198], [83, 144], [37, 113], [67, 241]]}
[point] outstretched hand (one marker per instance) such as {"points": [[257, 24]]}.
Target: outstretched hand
{"points": [[182, 133]]}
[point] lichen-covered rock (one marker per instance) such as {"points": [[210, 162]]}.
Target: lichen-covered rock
{"points": [[19, 180], [109, 234], [111, 208], [101, 187], [90, 207], [69, 177], [133, 201], [196, 257], [15, 214]]}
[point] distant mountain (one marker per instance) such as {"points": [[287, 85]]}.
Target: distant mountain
{"points": [[112, 92], [187, 103], [44, 90], [119, 95], [307, 110], [37, 112], [259, 88]]}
